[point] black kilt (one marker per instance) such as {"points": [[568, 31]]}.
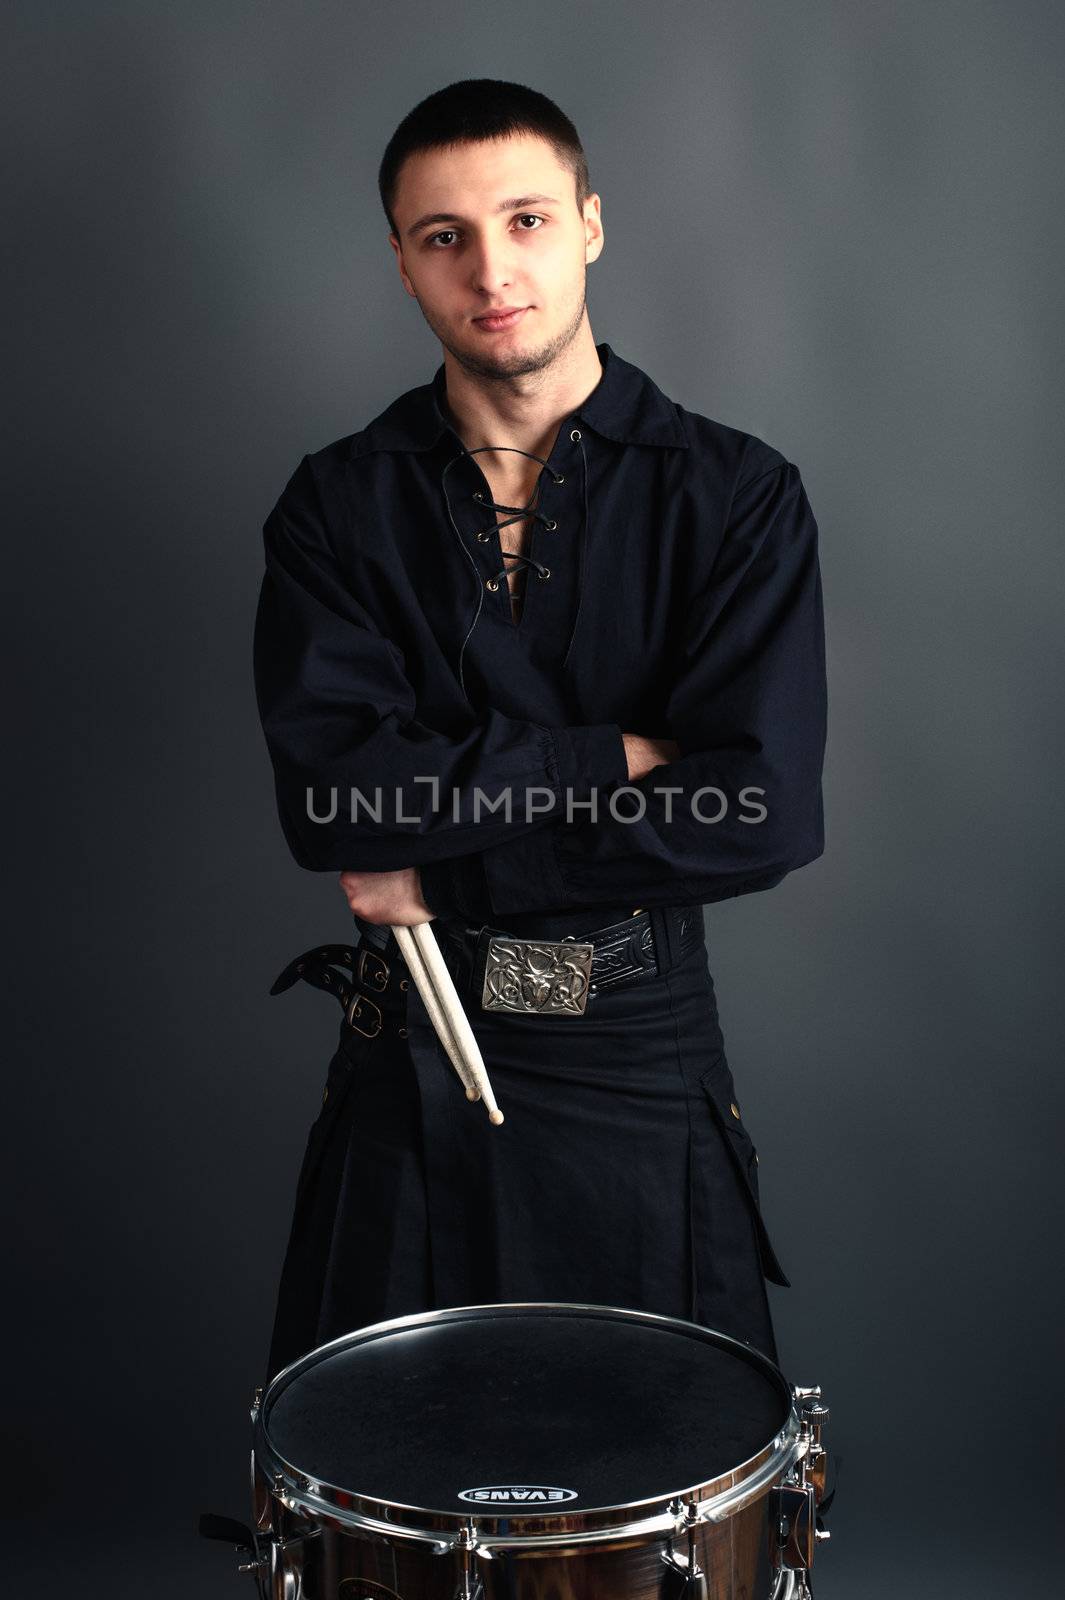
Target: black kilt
{"points": [[622, 1175]]}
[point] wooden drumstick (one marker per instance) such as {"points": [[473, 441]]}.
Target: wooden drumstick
{"points": [[423, 982], [460, 1024]]}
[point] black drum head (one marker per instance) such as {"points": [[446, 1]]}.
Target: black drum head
{"points": [[525, 1409]]}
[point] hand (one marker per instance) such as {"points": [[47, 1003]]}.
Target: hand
{"points": [[645, 754], [388, 897]]}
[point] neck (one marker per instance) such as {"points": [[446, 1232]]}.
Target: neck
{"points": [[525, 411]]}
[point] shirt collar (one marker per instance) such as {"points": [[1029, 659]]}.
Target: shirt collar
{"points": [[625, 406]]}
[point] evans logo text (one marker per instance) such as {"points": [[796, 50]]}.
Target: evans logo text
{"points": [[512, 1494]]}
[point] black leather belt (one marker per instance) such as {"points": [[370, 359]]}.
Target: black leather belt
{"points": [[497, 971], [556, 977]]}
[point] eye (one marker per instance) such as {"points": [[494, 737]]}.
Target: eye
{"points": [[451, 233]]}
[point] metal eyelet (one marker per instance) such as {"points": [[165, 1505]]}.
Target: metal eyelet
{"points": [[402, 1032], [477, 495], [403, 983], [575, 433], [482, 538], [545, 572], [552, 525], [490, 583], [561, 478]]}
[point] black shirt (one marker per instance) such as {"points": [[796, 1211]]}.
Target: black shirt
{"points": [[672, 589]]}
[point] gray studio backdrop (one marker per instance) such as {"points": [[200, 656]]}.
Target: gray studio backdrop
{"points": [[829, 225]]}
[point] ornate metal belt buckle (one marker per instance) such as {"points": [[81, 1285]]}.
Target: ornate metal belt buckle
{"points": [[540, 976]]}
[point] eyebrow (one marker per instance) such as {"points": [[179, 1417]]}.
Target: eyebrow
{"points": [[504, 205]]}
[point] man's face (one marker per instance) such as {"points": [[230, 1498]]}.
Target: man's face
{"points": [[492, 225]]}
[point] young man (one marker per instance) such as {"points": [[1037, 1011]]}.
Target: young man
{"points": [[540, 661]]}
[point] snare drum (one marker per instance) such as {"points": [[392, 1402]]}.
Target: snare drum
{"points": [[540, 1451]]}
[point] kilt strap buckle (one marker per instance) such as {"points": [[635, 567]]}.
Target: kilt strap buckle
{"points": [[538, 976], [359, 1008], [371, 968]]}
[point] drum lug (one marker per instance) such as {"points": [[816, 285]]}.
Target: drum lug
{"points": [[684, 1578], [470, 1586]]}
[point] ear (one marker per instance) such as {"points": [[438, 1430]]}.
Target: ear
{"points": [[397, 247], [593, 229]]}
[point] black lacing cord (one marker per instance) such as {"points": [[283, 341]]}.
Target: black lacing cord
{"points": [[514, 555], [517, 512]]}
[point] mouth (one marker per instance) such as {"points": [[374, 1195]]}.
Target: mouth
{"points": [[497, 322]]}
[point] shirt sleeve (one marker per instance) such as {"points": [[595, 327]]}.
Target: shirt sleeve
{"points": [[338, 714], [748, 708]]}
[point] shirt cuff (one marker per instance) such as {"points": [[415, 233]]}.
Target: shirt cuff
{"points": [[589, 758], [456, 887]]}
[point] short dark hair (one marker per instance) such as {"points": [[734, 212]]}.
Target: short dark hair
{"points": [[474, 109]]}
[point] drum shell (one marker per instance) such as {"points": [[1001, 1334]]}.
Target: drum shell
{"points": [[339, 1563]]}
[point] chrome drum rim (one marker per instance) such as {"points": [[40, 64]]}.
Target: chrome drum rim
{"points": [[345, 1508]]}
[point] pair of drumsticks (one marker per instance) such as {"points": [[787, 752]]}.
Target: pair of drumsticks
{"points": [[419, 949]]}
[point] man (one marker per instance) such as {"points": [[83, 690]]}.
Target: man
{"points": [[540, 661]]}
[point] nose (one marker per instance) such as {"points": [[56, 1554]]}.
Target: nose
{"points": [[490, 265]]}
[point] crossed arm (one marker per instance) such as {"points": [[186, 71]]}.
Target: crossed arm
{"points": [[396, 897], [746, 710]]}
